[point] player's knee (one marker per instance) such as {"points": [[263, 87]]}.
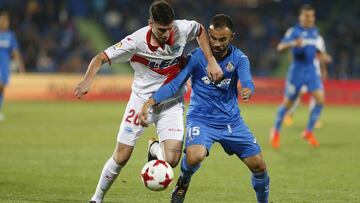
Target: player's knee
{"points": [[195, 159], [256, 164], [122, 154], [173, 161]]}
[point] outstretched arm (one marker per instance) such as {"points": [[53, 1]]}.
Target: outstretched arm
{"points": [[83, 87]]}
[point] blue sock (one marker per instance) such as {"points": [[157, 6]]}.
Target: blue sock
{"points": [[314, 116], [1, 100], [279, 118], [187, 171], [261, 185]]}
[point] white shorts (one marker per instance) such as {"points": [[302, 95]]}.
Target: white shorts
{"points": [[168, 118]]}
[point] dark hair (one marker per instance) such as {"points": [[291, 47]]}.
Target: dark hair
{"points": [[161, 12], [306, 7], [221, 21]]}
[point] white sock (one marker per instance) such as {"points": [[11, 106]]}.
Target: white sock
{"points": [[157, 151], [108, 175]]}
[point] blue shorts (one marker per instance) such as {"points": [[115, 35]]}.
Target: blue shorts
{"points": [[4, 76], [236, 139], [294, 84]]}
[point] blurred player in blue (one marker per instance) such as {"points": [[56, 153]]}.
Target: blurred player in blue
{"points": [[213, 114], [302, 39], [8, 49]]}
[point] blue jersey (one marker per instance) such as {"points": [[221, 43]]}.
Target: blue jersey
{"points": [[7, 45], [303, 57], [215, 103]]}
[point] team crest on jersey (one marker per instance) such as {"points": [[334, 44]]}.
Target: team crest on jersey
{"points": [[230, 67], [118, 45]]}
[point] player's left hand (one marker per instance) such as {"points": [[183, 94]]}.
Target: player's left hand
{"points": [[245, 94]]}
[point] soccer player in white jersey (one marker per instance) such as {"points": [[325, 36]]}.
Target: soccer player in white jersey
{"points": [[320, 63], [155, 53]]}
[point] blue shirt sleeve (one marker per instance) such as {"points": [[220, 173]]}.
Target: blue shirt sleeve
{"points": [[13, 42], [171, 88], [289, 36], [244, 74]]}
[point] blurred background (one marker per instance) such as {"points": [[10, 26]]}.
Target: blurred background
{"points": [[53, 146], [63, 35]]}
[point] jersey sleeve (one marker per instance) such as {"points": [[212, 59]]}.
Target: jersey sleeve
{"points": [[244, 74], [191, 28], [13, 43], [121, 51], [171, 88], [320, 44], [289, 35]]}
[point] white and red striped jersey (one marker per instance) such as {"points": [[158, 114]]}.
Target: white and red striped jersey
{"points": [[153, 66]]}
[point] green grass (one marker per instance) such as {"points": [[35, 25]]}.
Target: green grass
{"points": [[54, 152]]}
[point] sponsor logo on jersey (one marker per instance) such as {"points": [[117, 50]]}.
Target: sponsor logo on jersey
{"points": [[223, 84], [164, 63]]}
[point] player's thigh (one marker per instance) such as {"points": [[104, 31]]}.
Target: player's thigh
{"points": [[195, 154], [316, 88], [292, 91], [255, 163], [4, 79], [198, 133], [130, 129], [240, 141], [169, 123]]}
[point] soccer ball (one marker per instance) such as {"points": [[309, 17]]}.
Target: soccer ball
{"points": [[157, 175]]}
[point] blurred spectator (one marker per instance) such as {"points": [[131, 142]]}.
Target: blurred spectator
{"points": [[50, 41]]}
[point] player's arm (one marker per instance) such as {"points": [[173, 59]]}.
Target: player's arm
{"points": [[290, 40], [95, 64], [323, 57], [120, 52], [214, 71], [165, 91], [247, 84]]}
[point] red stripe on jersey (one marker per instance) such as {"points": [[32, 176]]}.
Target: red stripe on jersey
{"points": [[107, 58], [140, 59], [170, 72]]}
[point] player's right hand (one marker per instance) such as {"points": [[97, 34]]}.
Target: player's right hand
{"points": [[298, 42], [214, 71], [82, 88]]}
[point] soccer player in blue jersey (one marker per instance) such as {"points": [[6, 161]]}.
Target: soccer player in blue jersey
{"points": [[302, 39], [8, 49], [213, 114]]}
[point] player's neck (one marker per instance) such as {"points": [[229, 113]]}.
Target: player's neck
{"points": [[220, 58], [155, 42]]}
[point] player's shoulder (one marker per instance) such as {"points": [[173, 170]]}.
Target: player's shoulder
{"points": [[237, 52]]}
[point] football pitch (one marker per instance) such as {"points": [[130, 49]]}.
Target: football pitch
{"points": [[54, 152]]}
